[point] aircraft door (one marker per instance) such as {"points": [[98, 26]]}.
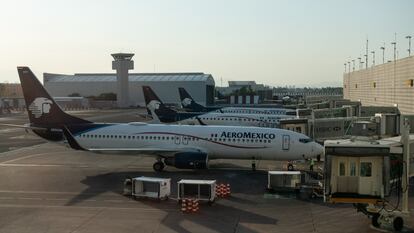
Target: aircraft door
{"points": [[370, 176], [285, 142]]}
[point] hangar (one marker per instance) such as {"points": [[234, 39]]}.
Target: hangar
{"points": [[199, 85]]}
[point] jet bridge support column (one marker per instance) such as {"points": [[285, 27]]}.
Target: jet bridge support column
{"points": [[405, 140]]}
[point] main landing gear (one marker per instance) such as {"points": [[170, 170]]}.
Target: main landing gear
{"points": [[158, 166], [290, 167]]}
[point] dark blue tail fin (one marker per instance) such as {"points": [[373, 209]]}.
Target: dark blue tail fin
{"points": [[188, 102], [157, 108]]}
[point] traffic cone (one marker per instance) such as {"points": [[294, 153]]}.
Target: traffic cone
{"points": [[221, 190], [189, 205], [195, 206], [184, 205], [218, 190], [228, 190]]}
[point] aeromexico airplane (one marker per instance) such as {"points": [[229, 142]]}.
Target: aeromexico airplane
{"points": [[190, 105], [186, 147], [162, 113]]}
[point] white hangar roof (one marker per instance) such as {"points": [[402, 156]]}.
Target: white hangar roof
{"points": [[133, 77]]}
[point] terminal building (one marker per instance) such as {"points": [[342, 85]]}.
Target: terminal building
{"points": [[128, 86], [389, 84]]}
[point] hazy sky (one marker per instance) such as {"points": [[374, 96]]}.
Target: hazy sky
{"points": [[272, 42]]}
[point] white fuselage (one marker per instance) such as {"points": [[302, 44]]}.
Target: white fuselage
{"points": [[248, 110], [218, 142], [236, 119]]}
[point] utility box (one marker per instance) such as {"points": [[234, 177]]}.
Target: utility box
{"points": [[389, 124], [203, 190], [283, 180], [151, 187], [358, 171]]}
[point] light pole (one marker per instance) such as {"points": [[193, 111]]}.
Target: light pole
{"points": [[366, 55], [353, 65], [395, 54], [366, 60], [373, 58], [383, 54], [359, 62], [395, 49], [409, 45]]}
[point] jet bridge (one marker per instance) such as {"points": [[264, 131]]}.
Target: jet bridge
{"points": [[366, 173]]}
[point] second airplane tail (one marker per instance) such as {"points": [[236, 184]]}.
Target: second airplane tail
{"points": [[188, 102], [159, 111]]}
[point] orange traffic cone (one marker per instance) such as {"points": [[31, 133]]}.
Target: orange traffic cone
{"points": [[228, 190], [184, 205], [195, 206]]}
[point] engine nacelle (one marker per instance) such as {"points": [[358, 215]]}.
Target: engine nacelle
{"points": [[188, 160]]}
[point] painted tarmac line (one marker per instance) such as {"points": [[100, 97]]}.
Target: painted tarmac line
{"points": [[53, 192], [24, 157], [89, 207]]}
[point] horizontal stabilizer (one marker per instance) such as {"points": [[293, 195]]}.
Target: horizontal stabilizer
{"points": [[71, 140]]}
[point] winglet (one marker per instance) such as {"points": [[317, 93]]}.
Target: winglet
{"points": [[71, 140]]}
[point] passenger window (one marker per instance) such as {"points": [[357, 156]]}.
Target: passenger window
{"points": [[341, 169], [366, 169]]}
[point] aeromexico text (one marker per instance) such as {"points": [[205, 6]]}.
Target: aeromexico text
{"points": [[248, 135]]}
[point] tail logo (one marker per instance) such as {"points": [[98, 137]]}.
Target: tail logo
{"points": [[153, 105], [40, 106], [186, 102]]}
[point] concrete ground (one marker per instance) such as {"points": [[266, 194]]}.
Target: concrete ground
{"points": [[46, 187]]}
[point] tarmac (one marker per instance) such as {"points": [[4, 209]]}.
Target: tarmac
{"points": [[46, 187]]}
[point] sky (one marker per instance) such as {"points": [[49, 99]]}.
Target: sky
{"points": [[278, 43]]}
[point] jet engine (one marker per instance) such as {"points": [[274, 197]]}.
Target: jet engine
{"points": [[188, 160]]}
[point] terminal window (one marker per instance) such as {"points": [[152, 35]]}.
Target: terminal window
{"points": [[352, 171], [366, 169]]}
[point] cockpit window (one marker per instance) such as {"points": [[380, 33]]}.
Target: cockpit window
{"points": [[305, 140]]}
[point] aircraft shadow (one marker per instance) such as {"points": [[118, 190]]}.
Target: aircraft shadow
{"points": [[226, 217]]}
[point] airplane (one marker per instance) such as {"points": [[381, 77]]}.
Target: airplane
{"points": [[190, 105], [180, 146], [161, 113]]}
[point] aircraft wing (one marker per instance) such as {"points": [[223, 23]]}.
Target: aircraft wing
{"points": [[26, 126], [144, 150]]}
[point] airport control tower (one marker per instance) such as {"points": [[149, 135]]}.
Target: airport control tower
{"points": [[122, 63]]}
